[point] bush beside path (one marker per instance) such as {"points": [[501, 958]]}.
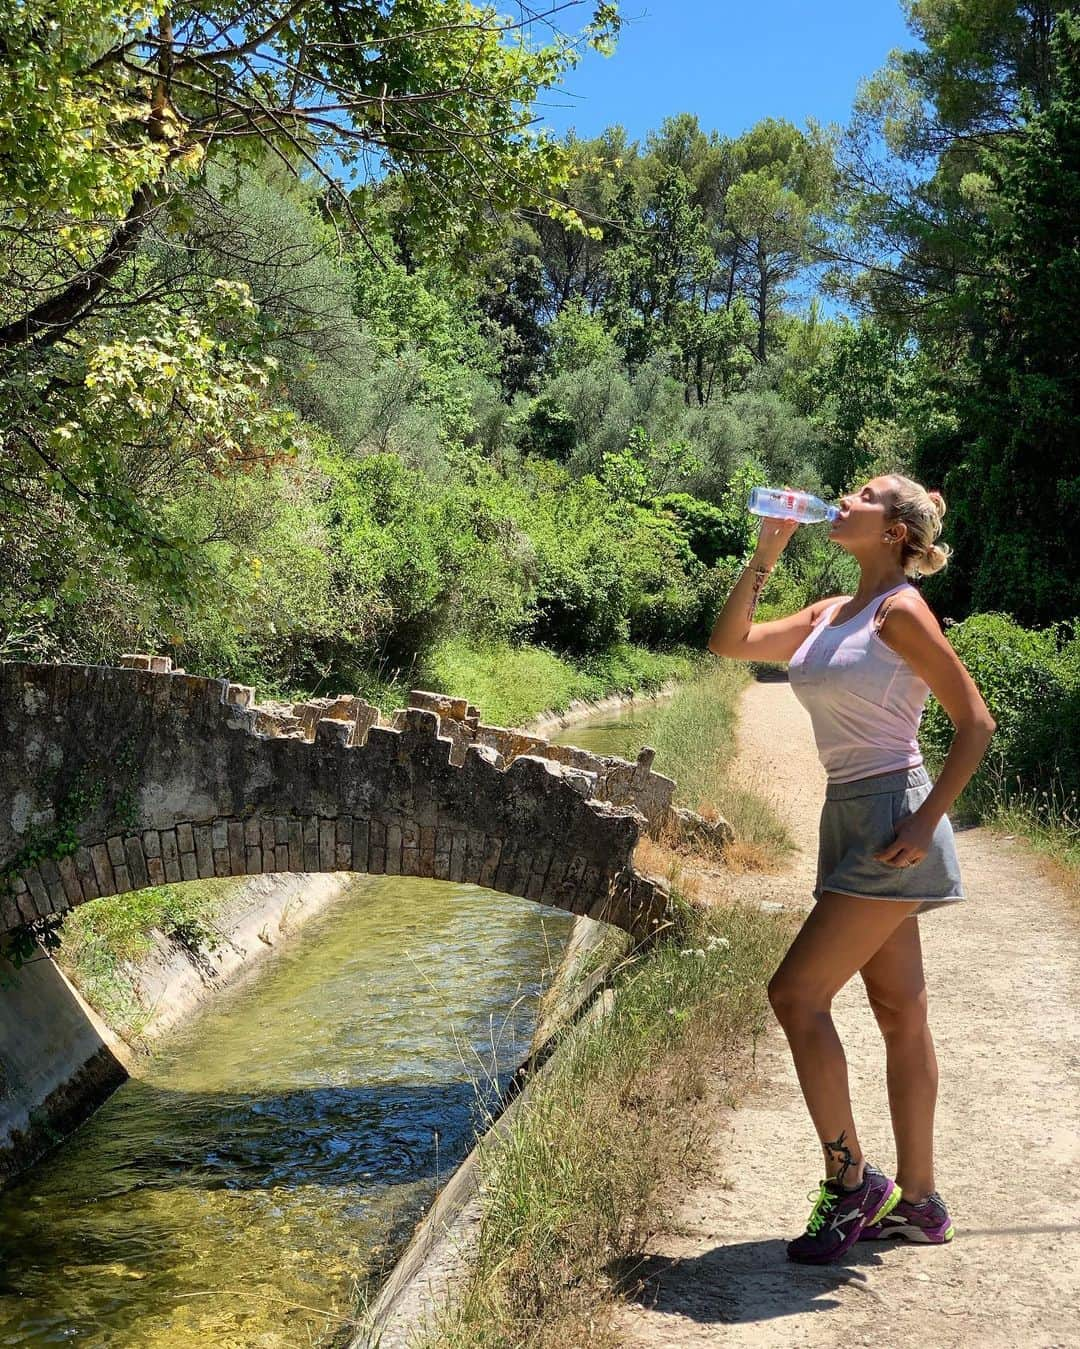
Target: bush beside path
{"points": [[1002, 975]]}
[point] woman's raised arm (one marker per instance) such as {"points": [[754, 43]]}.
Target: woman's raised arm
{"points": [[735, 634]]}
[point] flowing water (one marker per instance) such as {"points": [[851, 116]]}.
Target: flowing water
{"points": [[270, 1157]]}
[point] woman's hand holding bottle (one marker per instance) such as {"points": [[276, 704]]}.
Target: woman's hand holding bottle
{"points": [[736, 618], [773, 536]]}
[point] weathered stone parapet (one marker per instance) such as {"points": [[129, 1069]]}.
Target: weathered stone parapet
{"points": [[611, 779], [165, 777], [604, 777], [618, 781]]}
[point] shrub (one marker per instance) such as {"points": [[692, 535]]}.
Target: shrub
{"points": [[1030, 679]]}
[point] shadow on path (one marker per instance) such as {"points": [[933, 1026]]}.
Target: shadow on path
{"points": [[748, 1281]]}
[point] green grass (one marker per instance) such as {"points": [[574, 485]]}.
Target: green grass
{"points": [[1046, 818], [102, 939], [1049, 823], [570, 1192], [513, 684], [1043, 815], [694, 736]]}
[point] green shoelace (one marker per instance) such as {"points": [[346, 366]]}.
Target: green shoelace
{"points": [[824, 1202]]}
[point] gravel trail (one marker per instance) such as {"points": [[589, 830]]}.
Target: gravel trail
{"points": [[1002, 975]]}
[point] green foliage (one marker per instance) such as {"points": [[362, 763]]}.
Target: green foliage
{"points": [[1013, 467], [642, 469], [60, 106], [968, 230], [135, 366], [710, 531], [103, 105], [1030, 679], [22, 944], [771, 213], [739, 527], [549, 430], [578, 339], [583, 591], [514, 298], [104, 438], [305, 449]]}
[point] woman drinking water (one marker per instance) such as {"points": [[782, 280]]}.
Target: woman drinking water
{"points": [[863, 666]]}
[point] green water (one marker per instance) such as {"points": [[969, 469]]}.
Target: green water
{"points": [[268, 1158], [620, 733]]}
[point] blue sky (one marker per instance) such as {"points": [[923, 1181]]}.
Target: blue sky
{"points": [[732, 64]]}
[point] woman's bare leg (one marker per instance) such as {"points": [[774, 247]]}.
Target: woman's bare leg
{"points": [[840, 936], [896, 988]]}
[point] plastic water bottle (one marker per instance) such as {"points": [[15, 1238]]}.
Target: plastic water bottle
{"points": [[801, 506]]}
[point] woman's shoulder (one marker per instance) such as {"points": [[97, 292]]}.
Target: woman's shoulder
{"points": [[908, 599], [915, 615]]}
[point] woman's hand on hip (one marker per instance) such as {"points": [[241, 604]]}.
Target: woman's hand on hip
{"points": [[911, 844]]}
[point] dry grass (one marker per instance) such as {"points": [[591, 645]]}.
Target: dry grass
{"points": [[572, 1192], [1045, 819], [1054, 861], [694, 736]]}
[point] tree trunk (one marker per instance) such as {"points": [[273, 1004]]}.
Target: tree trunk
{"points": [[50, 320]]}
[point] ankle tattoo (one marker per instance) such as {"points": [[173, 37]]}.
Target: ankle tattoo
{"points": [[840, 1152]]}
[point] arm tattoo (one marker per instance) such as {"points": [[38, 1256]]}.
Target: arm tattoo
{"points": [[841, 1153], [760, 580]]}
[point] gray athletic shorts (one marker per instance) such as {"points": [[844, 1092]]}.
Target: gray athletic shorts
{"points": [[859, 819]]}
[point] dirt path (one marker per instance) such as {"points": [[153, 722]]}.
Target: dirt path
{"points": [[1002, 974]]}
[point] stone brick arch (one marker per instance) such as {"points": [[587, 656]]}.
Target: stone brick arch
{"points": [[163, 777]]}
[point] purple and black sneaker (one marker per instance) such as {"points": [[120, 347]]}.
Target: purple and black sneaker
{"points": [[839, 1217], [927, 1221]]}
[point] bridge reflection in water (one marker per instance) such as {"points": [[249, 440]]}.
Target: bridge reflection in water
{"points": [[271, 1155]]}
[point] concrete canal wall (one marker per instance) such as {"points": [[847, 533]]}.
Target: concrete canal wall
{"points": [[59, 1060]]}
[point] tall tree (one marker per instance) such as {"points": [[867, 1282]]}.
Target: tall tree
{"points": [[105, 105], [917, 162], [774, 213], [1013, 470]]}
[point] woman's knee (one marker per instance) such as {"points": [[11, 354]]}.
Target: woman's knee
{"points": [[900, 1016], [793, 1000]]}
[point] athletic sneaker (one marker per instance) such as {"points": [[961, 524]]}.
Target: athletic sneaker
{"points": [[927, 1221], [839, 1215]]}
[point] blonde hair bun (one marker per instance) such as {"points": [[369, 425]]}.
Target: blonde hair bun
{"points": [[934, 559], [922, 511]]}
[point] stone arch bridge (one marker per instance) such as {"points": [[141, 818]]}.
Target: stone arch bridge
{"points": [[116, 778]]}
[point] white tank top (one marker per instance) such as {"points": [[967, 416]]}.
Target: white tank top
{"points": [[865, 702]]}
